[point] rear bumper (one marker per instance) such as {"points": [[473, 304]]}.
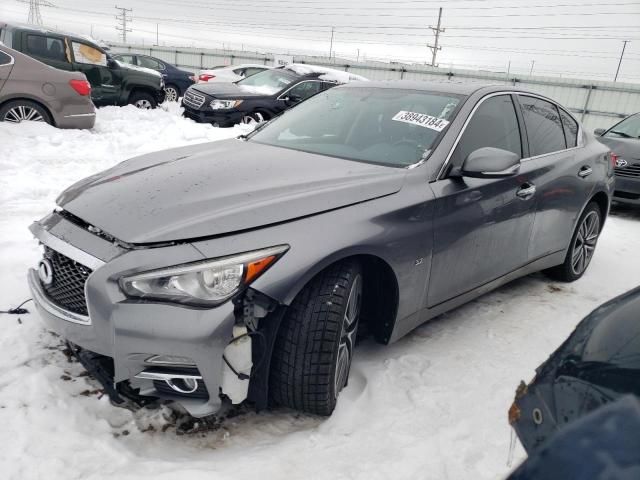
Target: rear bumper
{"points": [[627, 190], [77, 120]]}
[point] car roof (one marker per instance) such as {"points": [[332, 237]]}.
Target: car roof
{"points": [[44, 29]]}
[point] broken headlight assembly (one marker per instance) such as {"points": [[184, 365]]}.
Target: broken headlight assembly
{"points": [[224, 104], [206, 283]]}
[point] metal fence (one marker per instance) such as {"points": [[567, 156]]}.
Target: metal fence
{"points": [[596, 103]]}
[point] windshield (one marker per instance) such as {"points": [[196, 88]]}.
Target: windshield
{"points": [[268, 82], [628, 128], [375, 125]]}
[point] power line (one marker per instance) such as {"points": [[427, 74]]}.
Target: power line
{"points": [[123, 18]]}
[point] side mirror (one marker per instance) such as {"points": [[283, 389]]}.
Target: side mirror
{"points": [[489, 162], [598, 132], [293, 99]]}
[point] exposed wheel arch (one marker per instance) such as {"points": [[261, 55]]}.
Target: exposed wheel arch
{"points": [[602, 199]]}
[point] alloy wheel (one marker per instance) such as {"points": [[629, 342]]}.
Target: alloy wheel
{"points": [[585, 243], [23, 113], [348, 335], [143, 104], [256, 117], [171, 94]]}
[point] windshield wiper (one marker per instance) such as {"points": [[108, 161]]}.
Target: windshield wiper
{"points": [[622, 134]]}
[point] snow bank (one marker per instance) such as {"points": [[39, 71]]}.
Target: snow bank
{"points": [[432, 406], [329, 74]]}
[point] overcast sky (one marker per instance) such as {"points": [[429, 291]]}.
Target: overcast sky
{"points": [[577, 38]]}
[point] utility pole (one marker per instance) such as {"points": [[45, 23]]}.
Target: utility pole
{"points": [[437, 31], [34, 12], [533, 62], [157, 34], [331, 44], [358, 57], [123, 18], [624, 46]]}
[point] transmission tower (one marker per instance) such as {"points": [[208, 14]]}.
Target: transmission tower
{"points": [[123, 17], [34, 12]]}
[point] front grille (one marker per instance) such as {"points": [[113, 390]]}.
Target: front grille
{"points": [[193, 99], [67, 287], [630, 171]]}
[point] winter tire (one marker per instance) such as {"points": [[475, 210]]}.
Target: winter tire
{"points": [[582, 247], [314, 346], [143, 100], [24, 110]]}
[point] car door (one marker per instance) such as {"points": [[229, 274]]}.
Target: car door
{"points": [[481, 226], [559, 170], [48, 48], [105, 79]]}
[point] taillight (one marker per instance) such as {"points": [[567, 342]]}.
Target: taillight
{"points": [[81, 86], [205, 77]]}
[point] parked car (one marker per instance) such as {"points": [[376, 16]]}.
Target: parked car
{"points": [[112, 83], [624, 141], [230, 73], [260, 97], [176, 81], [33, 91], [247, 265], [596, 365]]}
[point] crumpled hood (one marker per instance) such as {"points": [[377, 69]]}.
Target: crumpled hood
{"points": [[227, 90], [218, 188]]}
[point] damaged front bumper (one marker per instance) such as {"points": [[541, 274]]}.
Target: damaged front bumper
{"points": [[142, 349]]}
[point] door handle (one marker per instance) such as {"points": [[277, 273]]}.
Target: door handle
{"points": [[585, 171], [526, 191]]}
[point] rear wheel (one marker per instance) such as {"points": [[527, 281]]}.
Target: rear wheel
{"points": [[143, 100], [314, 347], [582, 248], [172, 93], [24, 111]]}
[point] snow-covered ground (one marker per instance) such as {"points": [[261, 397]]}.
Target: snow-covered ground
{"points": [[432, 406]]}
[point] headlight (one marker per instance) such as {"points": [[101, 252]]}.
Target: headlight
{"points": [[207, 283], [224, 104]]}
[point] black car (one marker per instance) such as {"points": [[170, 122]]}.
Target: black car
{"points": [[261, 96], [624, 141], [112, 82], [176, 81], [597, 364]]}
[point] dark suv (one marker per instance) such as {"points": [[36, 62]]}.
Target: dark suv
{"points": [[259, 97], [112, 82]]}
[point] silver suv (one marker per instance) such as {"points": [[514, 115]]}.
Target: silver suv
{"points": [[31, 90]]}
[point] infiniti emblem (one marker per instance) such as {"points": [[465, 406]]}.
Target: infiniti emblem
{"points": [[45, 271], [621, 163]]}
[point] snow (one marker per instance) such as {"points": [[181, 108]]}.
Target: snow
{"points": [[431, 406], [329, 74]]}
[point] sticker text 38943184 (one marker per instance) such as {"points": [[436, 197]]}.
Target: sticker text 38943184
{"points": [[421, 119]]}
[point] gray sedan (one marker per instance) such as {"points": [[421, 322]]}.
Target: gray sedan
{"points": [[243, 269], [33, 91]]}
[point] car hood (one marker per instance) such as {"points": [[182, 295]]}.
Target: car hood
{"points": [[626, 148], [229, 90], [218, 188]]}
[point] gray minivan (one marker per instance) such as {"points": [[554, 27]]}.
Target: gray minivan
{"points": [[33, 91]]}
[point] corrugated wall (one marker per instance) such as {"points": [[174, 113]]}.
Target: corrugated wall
{"points": [[596, 103]]}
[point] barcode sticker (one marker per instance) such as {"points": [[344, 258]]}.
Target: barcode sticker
{"points": [[421, 119]]}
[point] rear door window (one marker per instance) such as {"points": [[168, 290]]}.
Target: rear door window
{"points": [[570, 129], [4, 59], [494, 124], [543, 124], [46, 47]]}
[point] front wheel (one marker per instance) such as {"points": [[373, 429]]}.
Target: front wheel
{"points": [[582, 248], [314, 346], [143, 100], [254, 118]]}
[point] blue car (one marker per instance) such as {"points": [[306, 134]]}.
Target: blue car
{"points": [[176, 81]]}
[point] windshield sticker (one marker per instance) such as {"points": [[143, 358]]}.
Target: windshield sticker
{"points": [[421, 119]]}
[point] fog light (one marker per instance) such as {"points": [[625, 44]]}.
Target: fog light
{"points": [[170, 360]]}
